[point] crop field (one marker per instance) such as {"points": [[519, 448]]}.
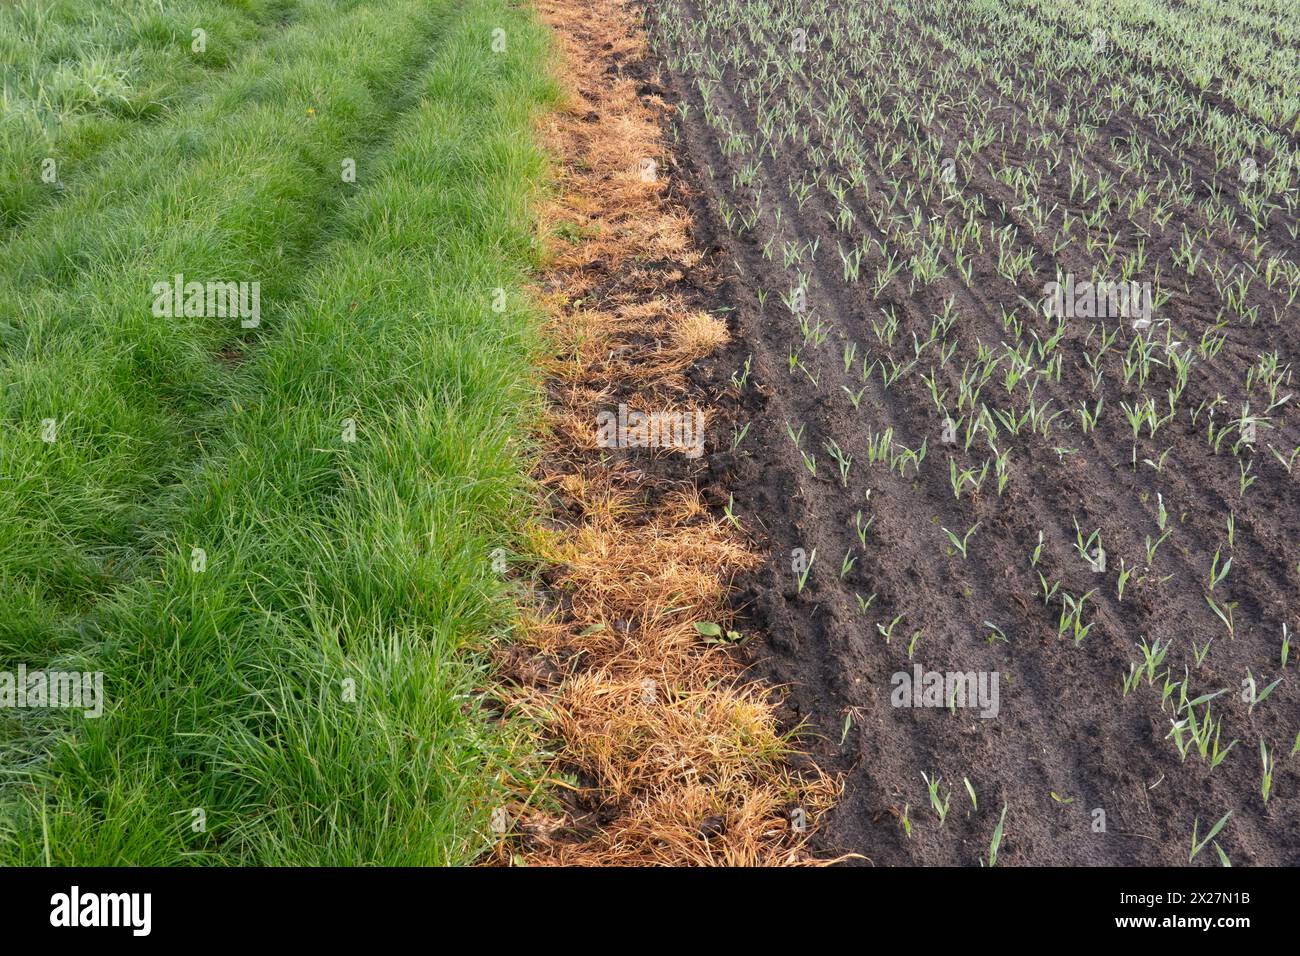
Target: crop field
{"points": [[1013, 290]]}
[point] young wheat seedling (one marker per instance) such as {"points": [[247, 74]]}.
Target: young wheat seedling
{"points": [[940, 807], [961, 543], [1197, 847], [997, 838], [1266, 780]]}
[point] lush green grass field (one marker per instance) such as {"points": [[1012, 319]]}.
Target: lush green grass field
{"points": [[308, 696]]}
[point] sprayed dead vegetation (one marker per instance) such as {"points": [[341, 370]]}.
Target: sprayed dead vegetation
{"points": [[662, 752]]}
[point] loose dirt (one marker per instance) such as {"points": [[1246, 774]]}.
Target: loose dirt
{"points": [[1067, 742]]}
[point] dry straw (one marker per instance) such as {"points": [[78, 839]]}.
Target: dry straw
{"points": [[663, 752]]}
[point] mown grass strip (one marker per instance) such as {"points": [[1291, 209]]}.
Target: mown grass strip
{"points": [[309, 697]]}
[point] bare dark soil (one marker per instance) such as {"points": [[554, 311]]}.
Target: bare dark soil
{"points": [[1066, 742]]}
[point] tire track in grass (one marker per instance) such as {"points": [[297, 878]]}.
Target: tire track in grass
{"points": [[90, 531], [246, 189], [310, 695]]}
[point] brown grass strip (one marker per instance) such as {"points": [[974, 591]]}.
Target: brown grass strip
{"points": [[663, 753]]}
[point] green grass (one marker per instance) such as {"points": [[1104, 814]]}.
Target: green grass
{"points": [[79, 76], [243, 189], [312, 691]]}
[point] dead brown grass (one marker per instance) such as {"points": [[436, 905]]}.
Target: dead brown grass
{"points": [[664, 754]]}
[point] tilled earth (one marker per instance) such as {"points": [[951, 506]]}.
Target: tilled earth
{"points": [[1068, 747]]}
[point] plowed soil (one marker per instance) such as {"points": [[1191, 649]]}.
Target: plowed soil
{"points": [[1067, 740]]}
